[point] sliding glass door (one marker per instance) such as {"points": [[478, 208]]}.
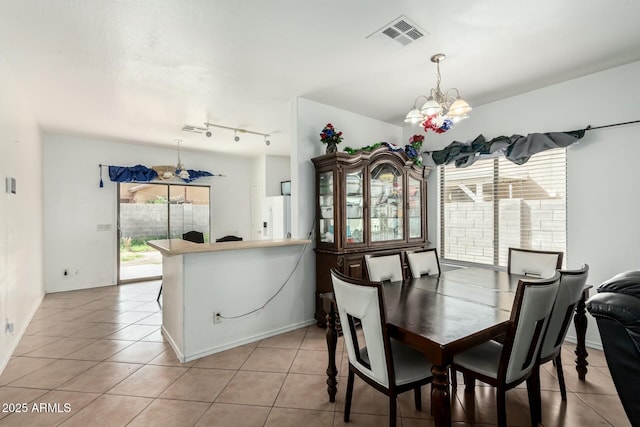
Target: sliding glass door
{"points": [[155, 211]]}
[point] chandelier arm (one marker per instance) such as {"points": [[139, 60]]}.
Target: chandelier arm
{"points": [[449, 97]]}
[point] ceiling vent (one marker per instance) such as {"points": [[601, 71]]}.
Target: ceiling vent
{"points": [[193, 129], [400, 31]]}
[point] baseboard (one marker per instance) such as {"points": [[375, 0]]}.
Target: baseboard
{"points": [[20, 334], [173, 344], [254, 338]]}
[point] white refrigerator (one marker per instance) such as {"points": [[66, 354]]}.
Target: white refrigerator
{"points": [[276, 222]]}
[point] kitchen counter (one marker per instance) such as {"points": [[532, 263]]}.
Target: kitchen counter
{"points": [[217, 296], [170, 247]]}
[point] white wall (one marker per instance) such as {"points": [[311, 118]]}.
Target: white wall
{"points": [[602, 178], [21, 289], [277, 169], [74, 204], [310, 118]]}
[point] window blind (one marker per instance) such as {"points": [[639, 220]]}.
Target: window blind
{"points": [[495, 204]]}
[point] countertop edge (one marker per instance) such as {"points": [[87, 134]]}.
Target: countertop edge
{"points": [[171, 247]]}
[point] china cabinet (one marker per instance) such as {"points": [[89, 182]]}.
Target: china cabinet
{"points": [[371, 202]]}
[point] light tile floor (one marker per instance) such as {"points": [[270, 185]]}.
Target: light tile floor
{"points": [[100, 353]]}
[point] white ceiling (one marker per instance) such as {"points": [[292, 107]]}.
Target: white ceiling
{"points": [[139, 70]]}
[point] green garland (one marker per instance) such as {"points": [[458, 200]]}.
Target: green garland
{"points": [[413, 154]]}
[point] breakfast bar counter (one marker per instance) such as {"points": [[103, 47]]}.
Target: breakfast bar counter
{"points": [[216, 296]]}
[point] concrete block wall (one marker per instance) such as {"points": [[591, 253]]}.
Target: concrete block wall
{"points": [[535, 224], [150, 220]]}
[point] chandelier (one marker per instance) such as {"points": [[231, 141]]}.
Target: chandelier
{"points": [[442, 109]]}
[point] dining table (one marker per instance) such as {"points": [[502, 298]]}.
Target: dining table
{"points": [[445, 315]]}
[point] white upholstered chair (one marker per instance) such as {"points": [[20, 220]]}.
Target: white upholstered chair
{"points": [[572, 283], [528, 262], [423, 262], [507, 364], [382, 268], [384, 363]]}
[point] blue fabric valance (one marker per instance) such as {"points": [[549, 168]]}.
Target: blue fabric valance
{"points": [[141, 173], [137, 173]]}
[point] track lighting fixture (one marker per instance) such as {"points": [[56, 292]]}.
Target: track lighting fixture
{"points": [[206, 130]]}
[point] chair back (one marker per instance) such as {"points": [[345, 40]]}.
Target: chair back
{"points": [[424, 262], [572, 283], [384, 268], [362, 301], [193, 236], [539, 264], [530, 315], [229, 238]]}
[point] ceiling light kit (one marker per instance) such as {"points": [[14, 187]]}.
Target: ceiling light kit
{"points": [[441, 110], [181, 171], [206, 130]]}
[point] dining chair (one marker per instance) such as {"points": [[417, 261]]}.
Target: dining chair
{"points": [[381, 268], [529, 262], [506, 364], [572, 283], [385, 364], [190, 236], [423, 262], [229, 238]]}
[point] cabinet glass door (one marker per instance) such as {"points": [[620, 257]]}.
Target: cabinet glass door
{"points": [[327, 213], [386, 208], [353, 207], [415, 204]]}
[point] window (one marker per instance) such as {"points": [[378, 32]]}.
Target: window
{"points": [[495, 204]]}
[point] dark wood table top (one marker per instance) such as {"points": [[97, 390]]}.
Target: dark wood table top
{"points": [[443, 315]]}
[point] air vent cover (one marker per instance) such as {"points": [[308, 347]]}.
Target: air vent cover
{"points": [[401, 31], [193, 129]]}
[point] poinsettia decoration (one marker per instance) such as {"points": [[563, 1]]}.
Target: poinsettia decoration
{"points": [[414, 149], [438, 124]]}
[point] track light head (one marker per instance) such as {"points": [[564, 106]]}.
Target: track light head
{"points": [[236, 138], [266, 141], [208, 134]]}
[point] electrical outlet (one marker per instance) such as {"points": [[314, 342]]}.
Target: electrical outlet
{"points": [[66, 272], [217, 318], [9, 327]]}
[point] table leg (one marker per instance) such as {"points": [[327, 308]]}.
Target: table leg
{"points": [[580, 322], [332, 341], [440, 398]]}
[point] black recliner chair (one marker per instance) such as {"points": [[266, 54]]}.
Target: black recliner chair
{"points": [[616, 308]]}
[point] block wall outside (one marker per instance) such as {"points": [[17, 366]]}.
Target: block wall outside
{"points": [[148, 221], [534, 224]]}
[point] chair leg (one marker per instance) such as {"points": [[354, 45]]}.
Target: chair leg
{"points": [[469, 384], [392, 411], [347, 401], [502, 406], [533, 391], [563, 389], [417, 396], [454, 378], [159, 293]]}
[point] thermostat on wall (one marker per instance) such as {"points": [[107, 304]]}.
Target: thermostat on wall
{"points": [[11, 185]]}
